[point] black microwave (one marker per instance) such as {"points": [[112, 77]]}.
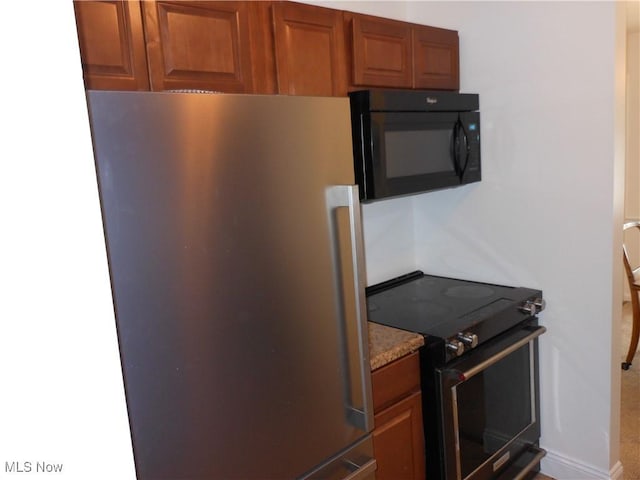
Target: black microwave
{"points": [[412, 141]]}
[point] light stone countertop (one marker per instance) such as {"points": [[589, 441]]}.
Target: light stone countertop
{"points": [[387, 344]]}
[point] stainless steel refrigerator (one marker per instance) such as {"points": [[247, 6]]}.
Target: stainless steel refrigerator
{"points": [[235, 252]]}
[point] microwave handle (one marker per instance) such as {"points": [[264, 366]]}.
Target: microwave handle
{"points": [[459, 136], [467, 150], [455, 148]]}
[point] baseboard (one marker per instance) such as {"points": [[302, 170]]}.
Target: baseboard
{"points": [[564, 468], [616, 472]]}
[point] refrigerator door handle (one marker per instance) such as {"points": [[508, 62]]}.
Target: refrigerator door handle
{"points": [[357, 463], [355, 350], [364, 472]]}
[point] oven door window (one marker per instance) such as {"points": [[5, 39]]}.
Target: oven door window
{"points": [[490, 404], [494, 406], [415, 152]]}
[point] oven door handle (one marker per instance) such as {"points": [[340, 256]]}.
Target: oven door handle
{"points": [[536, 455], [499, 356]]}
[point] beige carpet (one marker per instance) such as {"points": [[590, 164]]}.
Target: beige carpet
{"points": [[630, 408]]}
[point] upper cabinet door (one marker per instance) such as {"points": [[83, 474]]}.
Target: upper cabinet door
{"points": [[257, 47], [112, 45], [436, 64], [198, 45], [381, 53], [310, 50]]}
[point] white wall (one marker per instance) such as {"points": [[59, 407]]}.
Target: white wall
{"points": [[548, 211], [388, 229], [62, 399], [545, 211]]}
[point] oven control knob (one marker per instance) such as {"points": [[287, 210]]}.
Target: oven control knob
{"points": [[533, 306], [540, 303], [455, 346], [529, 307], [469, 339]]}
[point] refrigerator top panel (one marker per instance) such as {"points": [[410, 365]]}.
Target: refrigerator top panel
{"points": [[226, 278]]}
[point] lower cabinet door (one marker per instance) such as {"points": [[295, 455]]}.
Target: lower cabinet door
{"points": [[398, 440]]}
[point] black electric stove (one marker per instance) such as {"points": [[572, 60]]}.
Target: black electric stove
{"points": [[459, 314], [478, 371]]}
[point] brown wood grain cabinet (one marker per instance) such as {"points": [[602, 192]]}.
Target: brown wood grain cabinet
{"points": [[381, 51], [309, 50], [436, 58], [398, 436], [112, 48], [391, 53], [198, 45], [257, 47]]}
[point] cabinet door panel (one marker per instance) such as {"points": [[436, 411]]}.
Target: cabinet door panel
{"points": [[395, 381], [436, 58], [310, 50], [381, 52], [112, 45], [398, 441], [198, 45]]}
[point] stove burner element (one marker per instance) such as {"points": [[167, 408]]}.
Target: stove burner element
{"points": [[417, 306], [426, 307], [469, 291]]}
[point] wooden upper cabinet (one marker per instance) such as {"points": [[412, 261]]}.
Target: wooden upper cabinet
{"points": [[257, 47], [436, 58], [198, 45], [381, 51], [310, 52], [390, 53], [112, 46]]}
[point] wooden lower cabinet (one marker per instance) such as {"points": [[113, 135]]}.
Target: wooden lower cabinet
{"points": [[398, 440], [398, 437]]}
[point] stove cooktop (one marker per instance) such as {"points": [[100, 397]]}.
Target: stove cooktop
{"points": [[445, 307]]}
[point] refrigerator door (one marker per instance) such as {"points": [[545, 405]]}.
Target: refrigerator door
{"points": [[234, 244]]}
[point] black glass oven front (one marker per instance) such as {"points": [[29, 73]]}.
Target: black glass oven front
{"points": [[489, 406]]}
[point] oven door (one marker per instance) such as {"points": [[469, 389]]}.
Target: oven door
{"points": [[490, 408]]}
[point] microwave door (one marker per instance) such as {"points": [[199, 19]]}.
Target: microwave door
{"points": [[414, 152]]}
